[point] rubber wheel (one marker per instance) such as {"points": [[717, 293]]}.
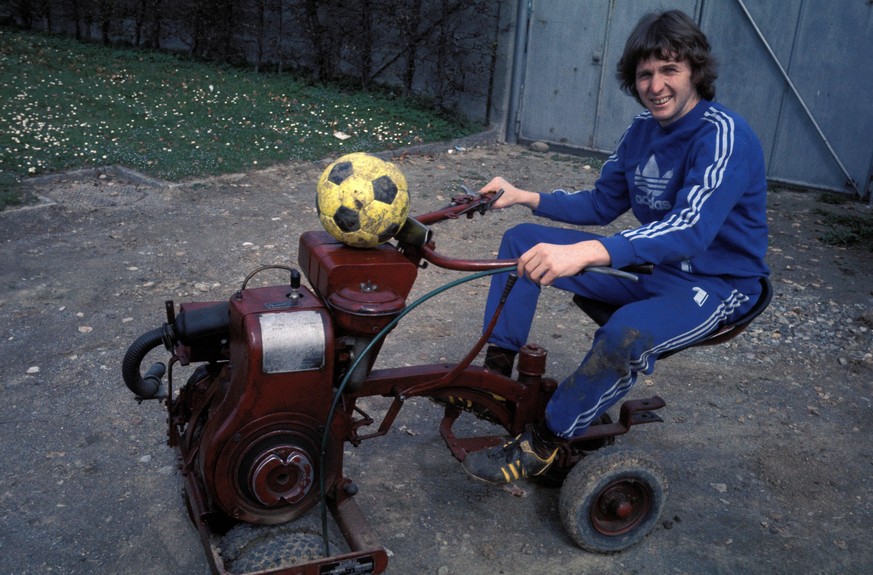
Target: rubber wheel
{"points": [[251, 548], [612, 499]]}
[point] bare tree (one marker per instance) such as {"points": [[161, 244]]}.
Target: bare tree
{"points": [[253, 28], [366, 63], [44, 9], [323, 68], [261, 15], [410, 23], [155, 28], [23, 12], [146, 16], [104, 15]]}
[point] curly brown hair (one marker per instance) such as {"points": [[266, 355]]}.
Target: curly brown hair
{"points": [[669, 35]]}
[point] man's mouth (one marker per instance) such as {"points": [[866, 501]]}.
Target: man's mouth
{"points": [[659, 101]]}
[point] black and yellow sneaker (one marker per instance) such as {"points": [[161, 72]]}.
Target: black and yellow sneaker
{"points": [[529, 454]]}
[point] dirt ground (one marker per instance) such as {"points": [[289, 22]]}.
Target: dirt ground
{"points": [[766, 440]]}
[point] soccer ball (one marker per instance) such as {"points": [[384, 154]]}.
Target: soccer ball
{"points": [[362, 201]]}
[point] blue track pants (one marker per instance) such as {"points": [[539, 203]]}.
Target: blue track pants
{"points": [[666, 310]]}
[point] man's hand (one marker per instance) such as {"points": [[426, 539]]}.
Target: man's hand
{"points": [[512, 195], [544, 263]]}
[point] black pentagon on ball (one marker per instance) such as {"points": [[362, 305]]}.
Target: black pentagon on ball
{"points": [[389, 233], [384, 190], [340, 172], [347, 219]]}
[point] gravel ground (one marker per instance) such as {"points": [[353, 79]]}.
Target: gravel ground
{"points": [[766, 440]]}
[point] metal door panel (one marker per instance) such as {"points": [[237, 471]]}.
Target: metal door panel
{"points": [[749, 81], [832, 68], [561, 77]]}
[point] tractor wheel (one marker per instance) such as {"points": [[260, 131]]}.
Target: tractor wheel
{"points": [[251, 548], [612, 499]]}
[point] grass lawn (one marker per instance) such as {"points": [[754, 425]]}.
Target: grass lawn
{"points": [[67, 105]]}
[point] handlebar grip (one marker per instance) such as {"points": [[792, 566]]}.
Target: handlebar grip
{"points": [[614, 272], [631, 272], [645, 269]]}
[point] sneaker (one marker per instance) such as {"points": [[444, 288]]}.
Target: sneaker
{"points": [[528, 455]]}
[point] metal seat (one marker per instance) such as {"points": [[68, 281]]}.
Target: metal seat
{"points": [[600, 312]]}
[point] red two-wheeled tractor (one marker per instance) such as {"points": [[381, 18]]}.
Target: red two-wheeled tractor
{"points": [[260, 426]]}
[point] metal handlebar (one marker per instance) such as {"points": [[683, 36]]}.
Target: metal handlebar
{"points": [[416, 235]]}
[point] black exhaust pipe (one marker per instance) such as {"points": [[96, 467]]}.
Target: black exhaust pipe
{"points": [[192, 327], [147, 387]]}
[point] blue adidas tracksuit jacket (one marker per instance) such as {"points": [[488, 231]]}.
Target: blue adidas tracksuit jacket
{"points": [[698, 188]]}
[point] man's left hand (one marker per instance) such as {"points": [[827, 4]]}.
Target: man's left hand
{"points": [[544, 263]]}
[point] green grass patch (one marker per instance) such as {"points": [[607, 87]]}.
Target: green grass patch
{"points": [[834, 198], [847, 230], [67, 105]]}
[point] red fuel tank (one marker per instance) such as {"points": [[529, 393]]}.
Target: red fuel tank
{"points": [[365, 288]]}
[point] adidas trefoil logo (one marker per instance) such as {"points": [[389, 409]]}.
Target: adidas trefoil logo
{"points": [[650, 181]]}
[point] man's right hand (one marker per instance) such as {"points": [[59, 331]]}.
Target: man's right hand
{"points": [[511, 196]]}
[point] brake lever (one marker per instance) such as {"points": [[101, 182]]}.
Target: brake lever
{"points": [[485, 206], [497, 195], [473, 207]]}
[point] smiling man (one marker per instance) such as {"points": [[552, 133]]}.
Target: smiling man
{"points": [[692, 172]]}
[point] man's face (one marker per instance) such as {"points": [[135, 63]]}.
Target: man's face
{"points": [[665, 88]]}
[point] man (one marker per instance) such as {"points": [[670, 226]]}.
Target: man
{"points": [[692, 172]]}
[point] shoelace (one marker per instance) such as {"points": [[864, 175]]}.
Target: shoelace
{"points": [[507, 451]]}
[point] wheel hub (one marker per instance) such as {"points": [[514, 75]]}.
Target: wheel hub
{"points": [[283, 473], [621, 506]]}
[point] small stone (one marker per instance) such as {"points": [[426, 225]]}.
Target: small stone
{"points": [[539, 147], [33, 370], [527, 549]]}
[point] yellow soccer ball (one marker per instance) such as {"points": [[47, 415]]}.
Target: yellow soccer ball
{"points": [[362, 200]]}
